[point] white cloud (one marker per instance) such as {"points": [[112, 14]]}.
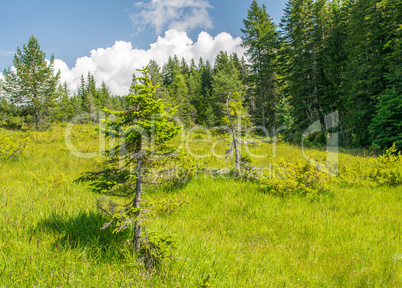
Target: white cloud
{"points": [[6, 53], [115, 65], [181, 15]]}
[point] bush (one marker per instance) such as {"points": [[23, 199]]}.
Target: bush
{"points": [[13, 148], [12, 123], [296, 178], [386, 170], [157, 249]]}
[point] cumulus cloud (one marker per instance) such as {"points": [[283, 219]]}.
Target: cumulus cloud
{"points": [[181, 15], [115, 65]]}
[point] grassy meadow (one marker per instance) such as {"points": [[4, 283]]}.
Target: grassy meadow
{"points": [[229, 233]]}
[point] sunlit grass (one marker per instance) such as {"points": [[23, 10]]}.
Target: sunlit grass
{"points": [[229, 235]]}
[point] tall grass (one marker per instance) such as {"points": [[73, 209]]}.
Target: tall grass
{"points": [[229, 234]]}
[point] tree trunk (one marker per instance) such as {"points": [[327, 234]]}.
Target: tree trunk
{"points": [[137, 204], [1, 111], [236, 148], [37, 119], [262, 103]]}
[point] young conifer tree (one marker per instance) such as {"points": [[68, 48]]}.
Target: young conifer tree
{"points": [[142, 134], [238, 120]]}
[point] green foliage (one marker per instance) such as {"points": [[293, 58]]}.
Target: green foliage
{"points": [[158, 249], [285, 114], [142, 134], [296, 178], [33, 85], [13, 148], [317, 140], [386, 170], [225, 80], [147, 116], [12, 123], [386, 127], [260, 38]]}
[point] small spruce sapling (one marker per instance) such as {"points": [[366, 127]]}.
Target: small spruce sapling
{"points": [[142, 134]]}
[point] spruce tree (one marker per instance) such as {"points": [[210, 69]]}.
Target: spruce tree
{"points": [[225, 80], [261, 41], [143, 132]]}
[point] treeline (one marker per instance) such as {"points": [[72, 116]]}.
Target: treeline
{"points": [[325, 56], [59, 106]]}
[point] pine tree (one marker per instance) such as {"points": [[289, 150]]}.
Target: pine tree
{"points": [[64, 110], [225, 80], [170, 70], [302, 57], [133, 84], [181, 98], [156, 77], [33, 84], [205, 95], [104, 96], [261, 41]]}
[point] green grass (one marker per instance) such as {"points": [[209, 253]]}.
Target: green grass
{"points": [[229, 235]]}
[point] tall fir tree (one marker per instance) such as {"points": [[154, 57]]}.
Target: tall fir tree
{"points": [[260, 38]]}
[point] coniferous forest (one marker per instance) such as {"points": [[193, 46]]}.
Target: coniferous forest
{"points": [[325, 56], [280, 167]]}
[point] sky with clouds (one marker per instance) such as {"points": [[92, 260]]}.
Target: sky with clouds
{"points": [[111, 39]]}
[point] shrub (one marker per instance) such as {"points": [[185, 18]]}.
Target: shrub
{"points": [[157, 249], [296, 178], [13, 148], [386, 170], [12, 123]]}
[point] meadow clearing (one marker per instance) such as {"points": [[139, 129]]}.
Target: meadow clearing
{"points": [[228, 233]]}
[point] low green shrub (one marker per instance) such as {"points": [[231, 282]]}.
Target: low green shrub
{"points": [[296, 178], [13, 148], [157, 249], [385, 170], [12, 123]]}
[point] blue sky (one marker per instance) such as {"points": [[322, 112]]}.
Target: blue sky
{"points": [[83, 34]]}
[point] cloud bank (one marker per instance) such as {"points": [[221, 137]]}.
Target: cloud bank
{"points": [[115, 65], [181, 15]]}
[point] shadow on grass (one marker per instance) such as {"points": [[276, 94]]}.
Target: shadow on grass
{"points": [[83, 232]]}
